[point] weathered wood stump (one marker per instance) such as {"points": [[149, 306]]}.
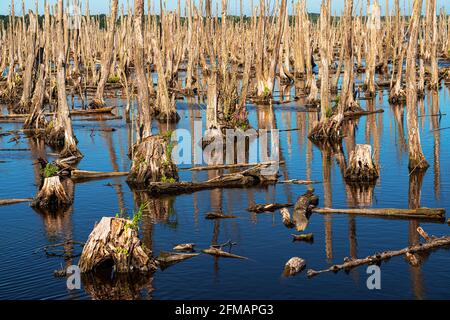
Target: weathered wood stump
{"points": [[294, 266], [152, 162], [52, 195], [329, 129], [114, 243], [361, 167]]}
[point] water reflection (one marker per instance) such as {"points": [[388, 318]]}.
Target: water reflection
{"points": [[101, 286]]}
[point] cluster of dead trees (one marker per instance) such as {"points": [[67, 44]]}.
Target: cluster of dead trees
{"points": [[225, 62]]}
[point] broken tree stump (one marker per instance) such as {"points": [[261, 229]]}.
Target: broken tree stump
{"points": [[361, 167], [349, 264], [294, 266], [114, 243], [52, 196]]}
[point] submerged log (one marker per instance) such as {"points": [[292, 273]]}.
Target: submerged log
{"points": [[218, 215], [52, 195], [349, 264], [361, 167], [421, 213], [114, 243], [7, 202], [220, 253], [249, 178], [167, 259], [186, 247], [294, 266]]}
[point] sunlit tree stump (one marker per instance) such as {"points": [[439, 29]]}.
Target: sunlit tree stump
{"points": [[328, 129], [114, 243], [170, 116], [152, 162], [361, 167], [52, 196]]}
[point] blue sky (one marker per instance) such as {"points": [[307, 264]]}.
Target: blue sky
{"points": [[102, 6]]}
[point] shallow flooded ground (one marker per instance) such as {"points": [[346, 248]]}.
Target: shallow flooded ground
{"points": [[28, 274]]}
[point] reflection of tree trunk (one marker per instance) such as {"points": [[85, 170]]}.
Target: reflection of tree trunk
{"points": [[415, 188], [352, 237], [326, 171], [437, 145], [399, 115]]}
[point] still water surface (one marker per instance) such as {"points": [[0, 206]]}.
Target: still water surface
{"points": [[25, 274]]}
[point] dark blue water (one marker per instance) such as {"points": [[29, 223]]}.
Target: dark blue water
{"points": [[263, 238]]}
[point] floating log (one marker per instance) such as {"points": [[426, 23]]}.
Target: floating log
{"points": [[14, 150], [113, 242], [349, 264], [353, 114], [303, 210], [81, 175], [303, 237], [272, 207], [220, 253], [90, 112], [218, 215], [187, 247], [294, 266], [167, 259], [421, 213], [303, 182], [8, 202], [249, 178]]}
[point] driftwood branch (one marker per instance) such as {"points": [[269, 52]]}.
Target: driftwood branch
{"points": [[421, 213]]}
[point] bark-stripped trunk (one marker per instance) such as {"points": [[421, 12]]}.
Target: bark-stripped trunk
{"points": [[108, 58], [417, 159], [61, 133]]}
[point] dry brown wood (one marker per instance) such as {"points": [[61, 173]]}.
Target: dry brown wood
{"points": [[349, 264], [77, 175], [218, 215], [115, 243], [7, 202], [222, 254], [309, 237], [421, 213], [294, 266], [271, 207]]}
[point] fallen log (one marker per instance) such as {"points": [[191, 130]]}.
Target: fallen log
{"points": [[303, 210], [250, 178], [8, 202], [90, 112], [230, 166], [222, 254], [349, 264], [272, 207], [354, 114], [81, 175], [218, 215], [167, 259], [421, 213], [286, 218]]}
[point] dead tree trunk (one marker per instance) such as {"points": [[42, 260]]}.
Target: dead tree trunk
{"points": [[60, 131], [107, 58], [52, 196], [114, 244], [25, 101], [417, 159]]}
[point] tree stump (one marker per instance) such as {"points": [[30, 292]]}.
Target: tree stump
{"points": [[114, 243], [328, 129], [152, 162], [52, 195], [361, 167]]}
